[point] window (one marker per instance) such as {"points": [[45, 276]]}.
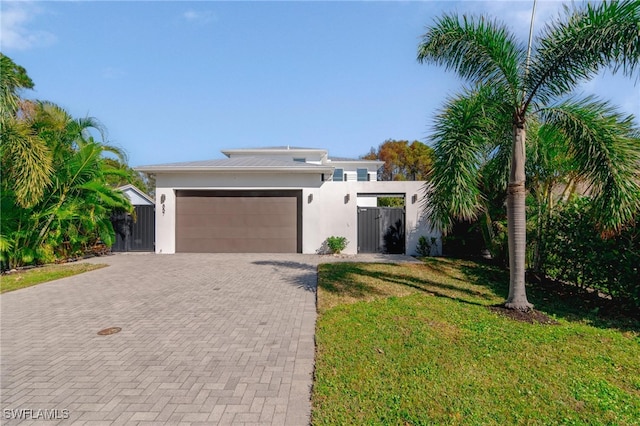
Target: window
{"points": [[300, 160], [338, 175], [363, 175]]}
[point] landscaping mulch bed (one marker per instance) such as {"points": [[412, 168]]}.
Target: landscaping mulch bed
{"points": [[583, 299], [531, 316]]}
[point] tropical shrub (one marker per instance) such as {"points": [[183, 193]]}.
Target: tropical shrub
{"points": [[56, 197], [337, 244], [575, 251], [424, 246]]}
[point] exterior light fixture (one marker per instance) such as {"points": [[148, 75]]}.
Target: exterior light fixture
{"points": [[414, 198], [310, 198], [347, 198]]}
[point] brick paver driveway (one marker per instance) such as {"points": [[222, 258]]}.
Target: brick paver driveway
{"points": [[205, 339]]}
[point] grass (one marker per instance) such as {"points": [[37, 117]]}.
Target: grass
{"points": [[417, 345], [31, 277]]}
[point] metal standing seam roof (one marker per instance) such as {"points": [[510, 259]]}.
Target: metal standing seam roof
{"points": [[237, 163], [275, 148]]}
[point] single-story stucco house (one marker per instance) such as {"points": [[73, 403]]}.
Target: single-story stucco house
{"points": [[283, 199]]}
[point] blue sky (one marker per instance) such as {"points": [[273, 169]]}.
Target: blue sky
{"points": [[179, 81]]}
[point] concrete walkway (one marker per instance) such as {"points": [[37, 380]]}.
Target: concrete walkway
{"points": [[205, 339]]}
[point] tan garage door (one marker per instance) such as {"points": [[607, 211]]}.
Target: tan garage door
{"points": [[238, 222]]}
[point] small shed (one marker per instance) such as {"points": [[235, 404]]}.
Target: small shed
{"points": [[135, 232]]}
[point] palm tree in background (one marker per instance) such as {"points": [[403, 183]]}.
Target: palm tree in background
{"points": [[25, 159], [480, 135]]}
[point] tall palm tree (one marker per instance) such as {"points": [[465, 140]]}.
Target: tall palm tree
{"points": [[507, 90], [25, 158]]}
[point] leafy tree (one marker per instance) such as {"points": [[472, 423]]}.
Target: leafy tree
{"points": [[480, 136], [128, 175], [56, 198], [390, 201], [402, 160]]}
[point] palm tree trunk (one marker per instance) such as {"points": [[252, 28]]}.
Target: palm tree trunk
{"points": [[516, 222]]}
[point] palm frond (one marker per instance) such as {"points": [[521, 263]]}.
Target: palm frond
{"points": [[26, 163], [605, 147], [107, 196], [122, 174], [83, 166], [495, 172], [5, 244], [118, 152], [82, 129], [478, 49], [548, 163], [461, 140], [13, 78], [573, 48]]}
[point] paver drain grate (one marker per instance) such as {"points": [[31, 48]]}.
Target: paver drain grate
{"points": [[108, 331]]}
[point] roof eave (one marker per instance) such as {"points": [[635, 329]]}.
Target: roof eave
{"points": [[372, 162], [264, 151], [136, 190], [196, 169]]}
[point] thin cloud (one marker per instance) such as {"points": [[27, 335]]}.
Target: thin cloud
{"points": [[517, 13], [199, 16], [112, 73], [15, 31]]}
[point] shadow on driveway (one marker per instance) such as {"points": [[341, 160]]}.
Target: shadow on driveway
{"points": [[302, 275]]}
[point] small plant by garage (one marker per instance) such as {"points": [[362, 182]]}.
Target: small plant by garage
{"points": [[336, 244], [424, 246]]}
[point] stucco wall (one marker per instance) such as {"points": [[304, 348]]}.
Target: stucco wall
{"points": [[167, 184], [237, 180], [329, 215], [326, 209], [335, 217], [366, 201], [165, 218]]}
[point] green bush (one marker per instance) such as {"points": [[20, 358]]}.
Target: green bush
{"points": [[575, 251], [424, 246], [336, 244]]}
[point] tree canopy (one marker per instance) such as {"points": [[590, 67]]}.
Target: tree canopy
{"points": [[510, 99], [403, 160]]}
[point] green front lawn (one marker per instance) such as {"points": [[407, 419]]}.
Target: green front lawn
{"points": [[27, 278], [417, 344]]}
